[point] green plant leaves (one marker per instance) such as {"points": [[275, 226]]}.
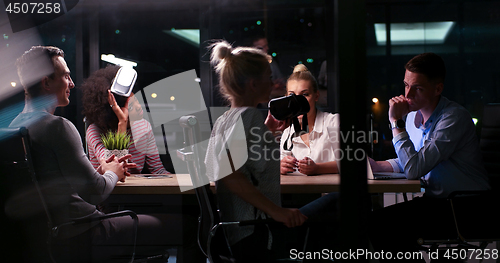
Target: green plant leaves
{"points": [[115, 140]]}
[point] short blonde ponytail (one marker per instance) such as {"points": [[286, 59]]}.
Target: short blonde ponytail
{"points": [[301, 72], [236, 67], [220, 51], [300, 68]]}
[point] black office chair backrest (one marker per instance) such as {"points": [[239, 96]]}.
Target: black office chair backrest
{"points": [[490, 143], [18, 169], [23, 206], [209, 215]]}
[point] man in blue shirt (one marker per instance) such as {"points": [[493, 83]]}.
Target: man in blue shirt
{"points": [[435, 141]]}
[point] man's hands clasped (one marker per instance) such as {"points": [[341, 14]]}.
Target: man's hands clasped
{"points": [[119, 166]]}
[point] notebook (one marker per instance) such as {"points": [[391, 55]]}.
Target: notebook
{"points": [[382, 175]]}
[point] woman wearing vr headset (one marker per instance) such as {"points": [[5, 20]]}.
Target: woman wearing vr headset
{"points": [[248, 182], [106, 111], [311, 152]]}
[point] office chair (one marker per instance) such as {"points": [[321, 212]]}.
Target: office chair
{"points": [[208, 220], [490, 143], [486, 229], [21, 187], [211, 235]]}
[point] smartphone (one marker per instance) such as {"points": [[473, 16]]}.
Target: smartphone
{"points": [[124, 81]]}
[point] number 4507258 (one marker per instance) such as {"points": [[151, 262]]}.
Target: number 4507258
{"points": [[471, 254], [33, 8]]}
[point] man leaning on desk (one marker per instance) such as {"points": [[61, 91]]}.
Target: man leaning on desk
{"points": [[435, 141]]}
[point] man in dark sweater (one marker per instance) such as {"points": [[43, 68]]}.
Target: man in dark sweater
{"points": [[72, 187]]}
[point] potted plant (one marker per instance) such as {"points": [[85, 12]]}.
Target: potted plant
{"points": [[116, 143]]}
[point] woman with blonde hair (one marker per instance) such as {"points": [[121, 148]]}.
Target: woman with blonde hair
{"points": [[248, 183], [314, 152]]}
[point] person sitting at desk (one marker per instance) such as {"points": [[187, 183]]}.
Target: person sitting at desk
{"points": [[252, 189], [312, 152], [248, 182], [436, 142], [104, 113], [71, 185]]}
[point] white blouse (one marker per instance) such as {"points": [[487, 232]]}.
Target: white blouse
{"points": [[251, 146], [324, 140]]}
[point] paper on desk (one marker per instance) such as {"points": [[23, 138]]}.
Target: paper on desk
{"points": [[296, 173], [153, 175]]}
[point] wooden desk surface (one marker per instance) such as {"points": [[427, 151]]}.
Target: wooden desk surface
{"points": [[289, 185]]}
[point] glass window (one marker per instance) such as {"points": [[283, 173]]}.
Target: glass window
{"points": [[462, 33]]}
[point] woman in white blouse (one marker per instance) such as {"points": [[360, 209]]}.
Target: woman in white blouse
{"points": [[313, 152]]}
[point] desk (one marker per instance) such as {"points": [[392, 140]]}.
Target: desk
{"points": [[289, 185]]}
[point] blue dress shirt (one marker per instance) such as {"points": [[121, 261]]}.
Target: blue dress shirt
{"points": [[443, 152]]}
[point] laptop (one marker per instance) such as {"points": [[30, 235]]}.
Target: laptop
{"points": [[382, 175]]}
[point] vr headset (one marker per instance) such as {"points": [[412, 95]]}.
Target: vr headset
{"points": [[289, 108], [124, 81]]}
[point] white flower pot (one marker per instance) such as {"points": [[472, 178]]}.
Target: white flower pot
{"points": [[117, 153]]}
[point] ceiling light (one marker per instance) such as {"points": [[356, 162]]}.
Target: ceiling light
{"points": [[414, 33], [118, 61], [191, 36]]}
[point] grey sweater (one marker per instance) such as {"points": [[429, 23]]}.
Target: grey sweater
{"points": [[70, 184]]}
